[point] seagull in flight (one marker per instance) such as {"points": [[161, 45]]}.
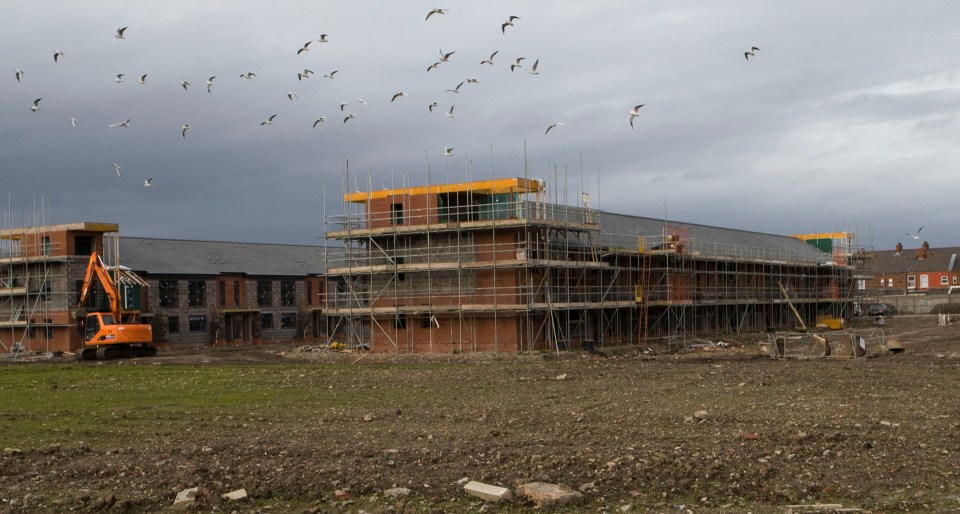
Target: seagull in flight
{"points": [[305, 49], [268, 121], [148, 182], [322, 38], [435, 11], [124, 124], [73, 121], [508, 23], [248, 75], [36, 105], [551, 126], [431, 106], [473, 81], [210, 83], [119, 34], [19, 75], [915, 235], [444, 57], [349, 117], [433, 66], [752, 52], [490, 60], [447, 151], [291, 95], [398, 94], [331, 74], [516, 63], [305, 74], [343, 105], [119, 78], [184, 83], [183, 130], [634, 113], [361, 100], [533, 71], [57, 56], [143, 79], [450, 112], [116, 167], [456, 89], [320, 119]]}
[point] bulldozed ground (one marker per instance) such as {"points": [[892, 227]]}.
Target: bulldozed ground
{"points": [[710, 429]]}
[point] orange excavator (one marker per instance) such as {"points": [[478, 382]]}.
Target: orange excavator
{"points": [[108, 333]]}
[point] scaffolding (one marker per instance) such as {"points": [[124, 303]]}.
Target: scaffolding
{"points": [[495, 265]]}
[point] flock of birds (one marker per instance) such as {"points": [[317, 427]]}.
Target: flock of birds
{"points": [[443, 57]]}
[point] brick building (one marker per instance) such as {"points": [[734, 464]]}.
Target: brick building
{"points": [[919, 270]]}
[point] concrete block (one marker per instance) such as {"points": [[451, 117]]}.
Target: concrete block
{"points": [[549, 495], [490, 493]]}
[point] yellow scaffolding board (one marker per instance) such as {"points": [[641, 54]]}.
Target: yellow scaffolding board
{"points": [[487, 187]]}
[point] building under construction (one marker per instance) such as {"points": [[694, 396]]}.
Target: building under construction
{"points": [[494, 265]]}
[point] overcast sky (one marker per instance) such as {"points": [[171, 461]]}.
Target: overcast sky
{"points": [[846, 119]]}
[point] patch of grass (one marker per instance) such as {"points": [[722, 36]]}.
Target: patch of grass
{"points": [[119, 403]]}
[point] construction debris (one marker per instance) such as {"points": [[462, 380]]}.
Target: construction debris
{"points": [[490, 493], [548, 495]]}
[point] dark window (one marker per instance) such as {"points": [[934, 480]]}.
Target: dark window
{"points": [[266, 320], [168, 292], [198, 323], [45, 291], [309, 286], [288, 320], [46, 245], [400, 321], [288, 292], [49, 329], [173, 324], [223, 293], [236, 293], [197, 296], [400, 276], [264, 292], [396, 213], [425, 321], [83, 245]]}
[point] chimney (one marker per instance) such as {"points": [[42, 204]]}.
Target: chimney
{"points": [[899, 249], [923, 251]]}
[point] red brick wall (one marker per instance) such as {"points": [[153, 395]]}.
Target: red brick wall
{"points": [[417, 210]]}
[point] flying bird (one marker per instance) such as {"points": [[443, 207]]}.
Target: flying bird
{"points": [[435, 11], [119, 78], [508, 23], [433, 66], [148, 182], [57, 56], [268, 121], [342, 106], [472, 81], [450, 112], [248, 75], [143, 79], [322, 38], [551, 126], [119, 34], [305, 74], [634, 113], [19, 75], [184, 83], [447, 151], [183, 130], [456, 89], [349, 117], [73, 121], [210, 83], [124, 124], [361, 100], [752, 52], [116, 167], [533, 71], [305, 49], [915, 235], [444, 57], [320, 119], [431, 106], [396, 95], [331, 74], [36, 105], [291, 95], [490, 60], [516, 63]]}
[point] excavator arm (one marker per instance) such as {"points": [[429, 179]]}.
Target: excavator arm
{"points": [[95, 268]]}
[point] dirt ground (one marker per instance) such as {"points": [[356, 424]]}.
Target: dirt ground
{"points": [[709, 429]]}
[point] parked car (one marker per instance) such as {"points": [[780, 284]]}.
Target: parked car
{"points": [[881, 309]]}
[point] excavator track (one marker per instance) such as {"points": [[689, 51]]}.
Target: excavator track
{"points": [[104, 353]]}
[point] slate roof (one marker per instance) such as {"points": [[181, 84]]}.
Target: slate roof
{"points": [[938, 259], [185, 257]]}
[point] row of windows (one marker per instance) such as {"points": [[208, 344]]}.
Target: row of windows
{"points": [[197, 293], [198, 322], [912, 281]]}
